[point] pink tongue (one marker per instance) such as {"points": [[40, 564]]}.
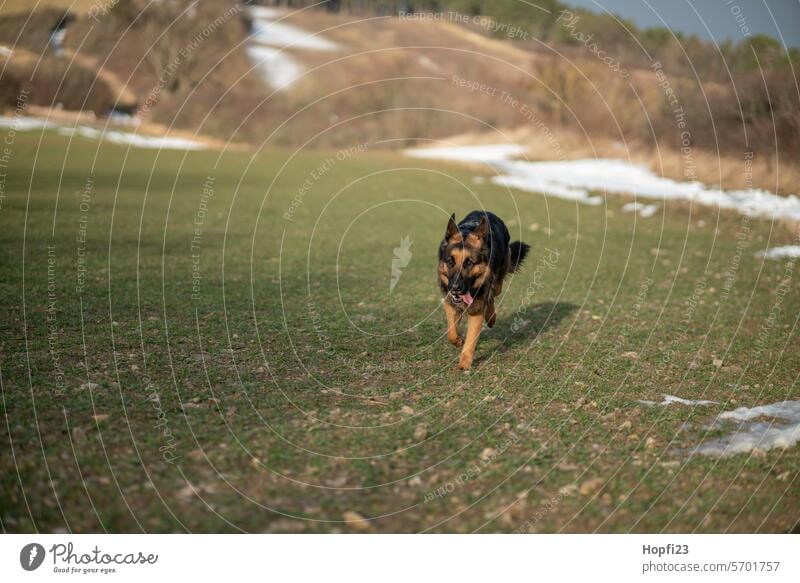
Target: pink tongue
{"points": [[467, 298]]}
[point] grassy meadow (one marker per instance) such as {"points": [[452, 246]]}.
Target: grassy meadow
{"points": [[208, 342]]}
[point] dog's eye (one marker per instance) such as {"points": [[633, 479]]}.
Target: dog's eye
{"points": [[450, 261], [467, 263]]}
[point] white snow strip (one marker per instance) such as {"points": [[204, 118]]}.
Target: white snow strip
{"points": [[23, 123], [265, 12], [575, 179], [644, 210], [787, 251], [57, 40], [429, 64], [277, 34], [126, 119], [783, 431], [278, 68], [135, 140], [670, 399], [491, 154]]}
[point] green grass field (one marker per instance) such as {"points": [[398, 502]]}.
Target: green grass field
{"points": [[204, 363]]}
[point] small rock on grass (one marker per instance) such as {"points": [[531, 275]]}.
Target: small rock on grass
{"points": [[89, 386], [591, 486], [355, 520], [337, 481], [632, 355], [567, 490], [487, 453], [421, 432], [188, 491], [415, 481], [79, 434]]}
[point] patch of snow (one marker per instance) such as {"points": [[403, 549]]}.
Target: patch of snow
{"points": [[575, 179], [525, 176], [135, 140], [644, 210], [127, 119], [265, 12], [267, 31], [782, 432], [24, 123], [491, 154], [787, 251], [649, 210], [57, 40], [428, 64], [278, 68], [670, 399]]}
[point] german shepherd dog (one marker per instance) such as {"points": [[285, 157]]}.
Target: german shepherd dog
{"points": [[474, 258]]}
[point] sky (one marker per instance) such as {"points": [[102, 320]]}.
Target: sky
{"points": [[725, 19]]}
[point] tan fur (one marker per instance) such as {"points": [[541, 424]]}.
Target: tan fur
{"points": [[474, 325], [453, 316]]}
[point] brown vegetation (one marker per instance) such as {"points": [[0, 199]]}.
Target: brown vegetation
{"points": [[404, 81]]}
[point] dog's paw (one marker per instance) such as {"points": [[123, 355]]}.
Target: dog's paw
{"points": [[456, 341], [465, 362]]}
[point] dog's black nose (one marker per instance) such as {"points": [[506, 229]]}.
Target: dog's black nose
{"points": [[457, 288]]}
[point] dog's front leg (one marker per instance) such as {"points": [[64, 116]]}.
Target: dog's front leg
{"points": [[491, 316], [452, 324], [474, 325]]}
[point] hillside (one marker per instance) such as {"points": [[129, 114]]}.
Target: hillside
{"points": [[320, 78]]}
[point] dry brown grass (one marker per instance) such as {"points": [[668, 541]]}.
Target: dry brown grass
{"points": [[51, 81], [76, 6], [395, 79]]}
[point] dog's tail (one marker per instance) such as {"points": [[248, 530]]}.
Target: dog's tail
{"points": [[519, 251]]}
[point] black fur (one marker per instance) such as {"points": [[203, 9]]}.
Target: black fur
{"points": [[519, 251]]}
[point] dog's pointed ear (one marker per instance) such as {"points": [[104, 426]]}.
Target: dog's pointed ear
{"points": [[482, 228], [452, 227]]}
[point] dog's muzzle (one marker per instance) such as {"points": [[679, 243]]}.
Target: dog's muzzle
{"points": [[465, 298]]}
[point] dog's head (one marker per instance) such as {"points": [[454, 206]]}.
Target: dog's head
{"points": [[463, 261]]}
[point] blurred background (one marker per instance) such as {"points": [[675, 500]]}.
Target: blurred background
{"points": [[600, 77]]}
